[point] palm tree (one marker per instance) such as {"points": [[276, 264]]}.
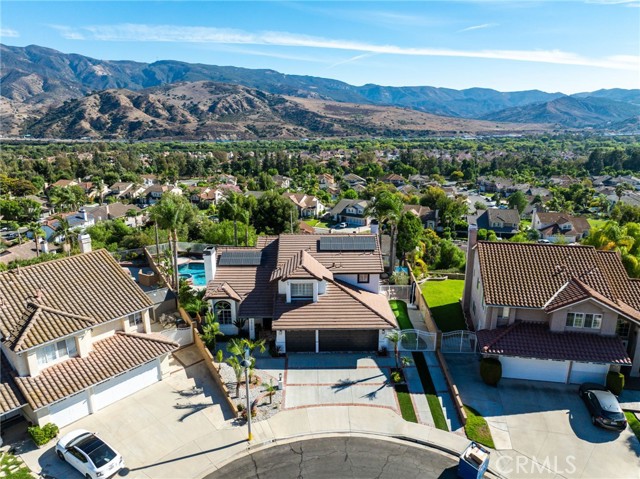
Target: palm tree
{"points": [[64, 229], [237, 346], [37, 231], [387, 208], [270, 389], [396, 336], [235, 363], [211, 331], [171, 212]]}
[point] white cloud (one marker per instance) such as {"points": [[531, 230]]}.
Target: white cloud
{"points": [[478, 27], [182, 34], [68, 32], [352, 59], [8, 33]]}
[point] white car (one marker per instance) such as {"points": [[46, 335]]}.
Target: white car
{"points": [[89, 454]]}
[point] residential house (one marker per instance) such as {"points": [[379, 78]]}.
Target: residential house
{"points": [[153, 193], [78, 221], [325, 180], [63, 184], [560, 227], [316, 293], [226, 179], [122, 189], [408, 190], [351, 212], [504, 222], [419, 181], [428, 216], [149, 180], [559, 313], [112, 211], [75, 339], [352, 180], [282, 181], [393, 179], [308, 205]]}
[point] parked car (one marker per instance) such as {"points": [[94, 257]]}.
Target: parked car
{"points": [[603, 406], [89, 454], [342, 225]]}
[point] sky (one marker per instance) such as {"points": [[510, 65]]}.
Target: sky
{"points": [[550, 45]]}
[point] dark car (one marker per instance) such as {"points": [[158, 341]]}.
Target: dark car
{"points": [[603, 406]]}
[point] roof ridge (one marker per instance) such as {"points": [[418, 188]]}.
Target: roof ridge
{"points": [[346, 289], [56, 260]]}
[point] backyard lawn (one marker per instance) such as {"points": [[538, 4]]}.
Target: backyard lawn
{"points": [[443, 298], [595, 223], [399, 308], [317, 223]]}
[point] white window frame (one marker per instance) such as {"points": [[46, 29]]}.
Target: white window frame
{"points": [[577, 320], [302, 297], [621, 326], [584, 320], [223, 307], [135, 319], [57, 351], [595, 319], [364, 276]]}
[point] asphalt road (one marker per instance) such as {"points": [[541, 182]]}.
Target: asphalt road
{"points": [[341, 457]]}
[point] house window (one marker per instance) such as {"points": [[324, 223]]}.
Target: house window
{"points": [[582, 320], [55, 351], [301, 290], [363, 278], [135, 319], [222, 310], [623, 328]]}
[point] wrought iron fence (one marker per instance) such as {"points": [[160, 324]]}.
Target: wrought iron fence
{"points": [[459, 342], [416, 340]]}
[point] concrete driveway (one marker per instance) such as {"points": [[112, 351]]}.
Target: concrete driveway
{"points": [[543, 429], [338, 380], [160, 430]]}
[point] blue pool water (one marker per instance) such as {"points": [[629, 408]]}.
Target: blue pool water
{"points": [[194, 271]]}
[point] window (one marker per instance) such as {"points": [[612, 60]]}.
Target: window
{"points": [[301, 290], [58, 350], [222, 310], [582, 320], [135, 319], [363, 278], [623, 328]]}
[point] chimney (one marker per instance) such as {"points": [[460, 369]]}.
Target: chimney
{"points": [[84, 241], [468, 271], [374, 227], [44, 246], [106, 208], [209, 257], [85, 215]]}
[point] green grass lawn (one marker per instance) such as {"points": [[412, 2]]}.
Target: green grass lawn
{"points": [[317, 223], [399, 308], [477, 428], [406, 406], [8, 461], [430, 391], [443, 298], [633, 423]]}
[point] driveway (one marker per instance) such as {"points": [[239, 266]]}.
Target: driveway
{"points": [[155, 427], [544, 423], [334, 380]]}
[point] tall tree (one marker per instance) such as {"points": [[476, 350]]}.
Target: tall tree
{"points": [[387, 208], [517, 201], [275, 214], [409, 232]]}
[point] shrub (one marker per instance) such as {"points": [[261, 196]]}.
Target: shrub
{"points": [[490, 371], [396, 377], [615, 382], [42, 435]]}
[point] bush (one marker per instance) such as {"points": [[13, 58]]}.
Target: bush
{"points": [[42, 435], [396, 377], [615, 382], [490, 371]]}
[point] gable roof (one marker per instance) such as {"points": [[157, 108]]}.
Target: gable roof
{"points": [[301, 265], [553, 276], [579, 223], [10, 396], [47, 301], [345, 203], [502, 215], [110, 357]]}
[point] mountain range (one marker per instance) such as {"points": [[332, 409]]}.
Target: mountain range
{"points": [[37, 81]]}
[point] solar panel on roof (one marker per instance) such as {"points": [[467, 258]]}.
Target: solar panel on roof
{"points": [[347, 243], [240, 258]]}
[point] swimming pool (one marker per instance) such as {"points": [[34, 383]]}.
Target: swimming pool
{"points": [[193, 271]]}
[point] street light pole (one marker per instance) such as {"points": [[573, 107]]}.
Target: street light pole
{"points": [[246, 363]]}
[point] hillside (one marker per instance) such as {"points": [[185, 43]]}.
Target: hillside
{"points": [[570, 112], [208, 110]]}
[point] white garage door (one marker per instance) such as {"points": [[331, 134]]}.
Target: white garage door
{"points": [[125, 385], [535, 369], [69, 410], [588, 373]]}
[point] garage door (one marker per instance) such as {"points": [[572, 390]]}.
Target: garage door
{"points": [[588, 373], [124, 385], [69, 410], [301, 341], [535, 369], [341, 340]]}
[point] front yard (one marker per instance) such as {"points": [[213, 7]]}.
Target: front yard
{"points": [[314, 223], [443, 298]]}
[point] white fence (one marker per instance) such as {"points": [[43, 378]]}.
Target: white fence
{"points": [[397, 292], [459, 342], [182, 336], [416, 340]]}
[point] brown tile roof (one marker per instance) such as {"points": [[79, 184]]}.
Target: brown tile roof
{"points": [[305, 228], [111, 356], [301, 265], [10, 396], [251, 283], [341, 307], [579, 223], [302, 200], [223, 290], [534, 340], [338, 262], [46, 301], [530, 275]]}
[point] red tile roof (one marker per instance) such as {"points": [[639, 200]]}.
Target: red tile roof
{"points": [[114, 355], [535, 340]]}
